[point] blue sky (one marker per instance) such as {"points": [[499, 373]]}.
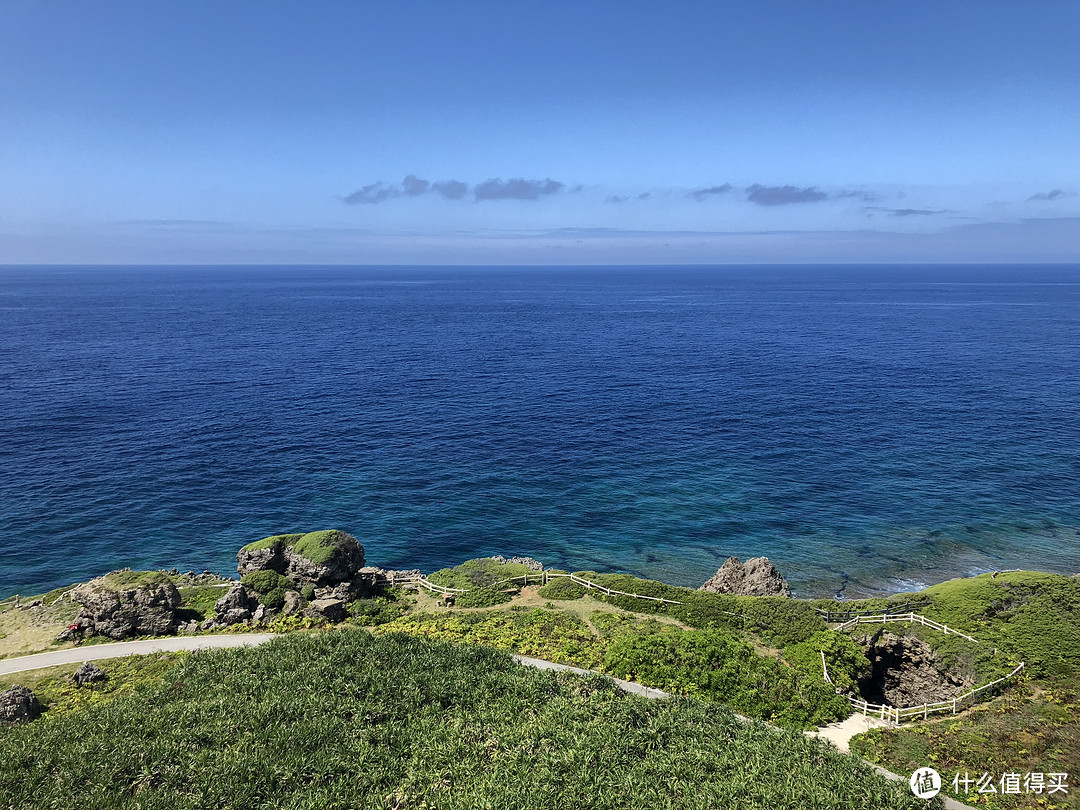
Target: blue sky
{"points": [[539, 132]]}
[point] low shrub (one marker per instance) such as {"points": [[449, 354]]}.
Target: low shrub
{"points": [[846, 661], [562, 588], [308, 591], [480, 573], [266, 581], [551, 635], [716, 665], [275, 599], [373, 612], [482, 597], [777, 621]]}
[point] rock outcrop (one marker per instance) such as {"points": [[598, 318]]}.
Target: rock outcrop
{"points": [[756, 577], [19, 705], [904, 671], [332, 609], [126, 603], [294, 603], [325, 558], [88, 673], [238, 605]]}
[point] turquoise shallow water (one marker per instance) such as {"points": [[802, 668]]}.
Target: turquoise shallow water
{"points": [[868, 429]]}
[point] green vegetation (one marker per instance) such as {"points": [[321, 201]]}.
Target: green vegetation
{"points": [[776, 621], [127, 580], [616, 625], [845, 659], [197, 603], [273, 540], [266, 581], [710, 664], [562, 588], [60, 697], [383, 609], [403, 722], [714, 664], [1035, 726], [1021, 732], [270, 587], [308, 591], [315, 546], [318, 546], [482, 597], [479, 573], [552, 635]]}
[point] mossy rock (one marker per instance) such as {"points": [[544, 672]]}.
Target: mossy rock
{"points": [[133, 580], [272, 542], [266, 581]]}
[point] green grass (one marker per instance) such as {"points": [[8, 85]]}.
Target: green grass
{"points": [[318, 546], [266, 581], [197, 602], [479, 573], [315, 546], [776, 621], [130, 580], [552, 635], [273, 540], [60, 697], [713, 664], [716, 665], [1019, 732], [482, 597], [1022, 616], [344, 720], [562, 588], [845, 659]]}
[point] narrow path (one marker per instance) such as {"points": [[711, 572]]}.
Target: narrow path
{"points": [[97, 652]]}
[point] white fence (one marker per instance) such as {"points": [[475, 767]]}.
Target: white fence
{"points": [[896, 714], [882, 618], [539, 577]]}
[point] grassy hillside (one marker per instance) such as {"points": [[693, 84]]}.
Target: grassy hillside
{"points": [[1022, 616], [342, 719]]}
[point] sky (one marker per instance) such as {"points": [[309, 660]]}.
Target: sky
{"points": [[467, 132]]}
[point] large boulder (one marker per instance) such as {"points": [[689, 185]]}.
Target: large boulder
{"points": [[19, 705], [756, 577], [238, 605], [332, 609], [127, 603], [323, 558]]}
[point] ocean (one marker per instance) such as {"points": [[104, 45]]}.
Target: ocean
{"points": [[869, 429]]}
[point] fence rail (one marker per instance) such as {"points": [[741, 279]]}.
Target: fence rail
{"points": [[844, 615], [883, 618], [897, 714], [540, 576]]}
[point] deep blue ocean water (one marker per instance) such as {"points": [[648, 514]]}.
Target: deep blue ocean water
{"points": [[867, 428]]}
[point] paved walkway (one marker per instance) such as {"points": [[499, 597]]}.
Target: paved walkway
{"points": [[119, 649], [839, 734]]}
